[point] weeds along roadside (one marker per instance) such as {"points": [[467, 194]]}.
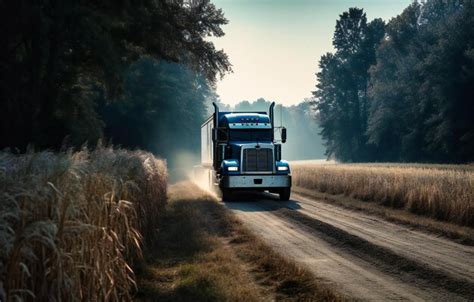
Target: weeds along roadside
{"points": [[444, 192], [71, 224], [202, 252]]}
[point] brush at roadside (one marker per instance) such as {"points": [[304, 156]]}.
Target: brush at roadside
{"points": [[202, 252], [71, 223], [441, 192]]}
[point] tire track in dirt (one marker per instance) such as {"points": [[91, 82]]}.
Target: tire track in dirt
{"points": [[453, 259], [334, 245]]}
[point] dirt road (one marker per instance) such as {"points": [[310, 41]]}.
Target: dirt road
{"points": [[363, 256]]}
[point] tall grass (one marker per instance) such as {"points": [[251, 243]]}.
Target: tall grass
{"points": [[442, 192], [71, 224]]}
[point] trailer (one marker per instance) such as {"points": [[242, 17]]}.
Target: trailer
{"points": [[239, 152]]}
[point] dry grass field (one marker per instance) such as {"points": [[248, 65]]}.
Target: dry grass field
{"points": [[442, 192], [71, 224]]}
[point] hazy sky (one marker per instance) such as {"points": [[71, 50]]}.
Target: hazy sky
{"points": [[275, 45]]}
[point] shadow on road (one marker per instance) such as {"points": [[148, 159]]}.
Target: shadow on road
{"points": [[259, 202]]}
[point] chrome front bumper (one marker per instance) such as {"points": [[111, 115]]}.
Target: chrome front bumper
{"points": [[255, 181]]}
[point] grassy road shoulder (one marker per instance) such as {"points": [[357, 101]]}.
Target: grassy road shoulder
{"points": [[434, 198], [460, 234], [203, 253]]}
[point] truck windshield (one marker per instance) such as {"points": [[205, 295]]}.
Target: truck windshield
{"points": [[250, 135]]}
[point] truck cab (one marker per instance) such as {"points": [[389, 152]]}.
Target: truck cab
{"points": [[242, 153]]}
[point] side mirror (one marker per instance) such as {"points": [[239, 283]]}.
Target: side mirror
{"points": [[283, 135]]}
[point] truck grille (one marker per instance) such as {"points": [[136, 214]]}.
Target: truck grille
{"points": [[258, 160]]}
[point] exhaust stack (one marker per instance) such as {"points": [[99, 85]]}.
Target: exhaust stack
{"points": [[271, 113], [216, 114]]}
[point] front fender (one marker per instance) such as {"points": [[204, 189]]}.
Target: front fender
{"points": [[226, 163], [281, 165]]}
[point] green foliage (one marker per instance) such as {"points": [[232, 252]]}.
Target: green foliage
{"points": [[422, 85], [162, 110], [406, 97], [342, 99], [391, 91], [59, 55]]}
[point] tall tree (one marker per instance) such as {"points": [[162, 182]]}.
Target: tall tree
{"points": [[57, 53], [162, 109], [391, 91], [422, 85], [447, 71], [342, 98]]}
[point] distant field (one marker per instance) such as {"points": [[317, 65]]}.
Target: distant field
{"points": [[319, 162], [443, 192], [313, 162]]}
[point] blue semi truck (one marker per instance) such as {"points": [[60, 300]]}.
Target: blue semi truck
{"points": [[239, 152]]}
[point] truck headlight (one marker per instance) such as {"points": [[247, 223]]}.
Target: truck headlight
{"points": [[232, 169], [282, 168]]}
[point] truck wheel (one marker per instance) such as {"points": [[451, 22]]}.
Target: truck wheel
{"points": [[226, 194], [285, 194]]}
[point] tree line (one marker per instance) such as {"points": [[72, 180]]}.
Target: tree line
{"points": [[134, 73], [402, 90], [304, 140]]}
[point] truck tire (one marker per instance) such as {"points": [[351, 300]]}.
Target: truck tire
{"points": [[226, 194], [285, 194]]}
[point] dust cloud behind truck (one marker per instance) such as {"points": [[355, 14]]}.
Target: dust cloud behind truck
{"points": [[239, 152]]}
